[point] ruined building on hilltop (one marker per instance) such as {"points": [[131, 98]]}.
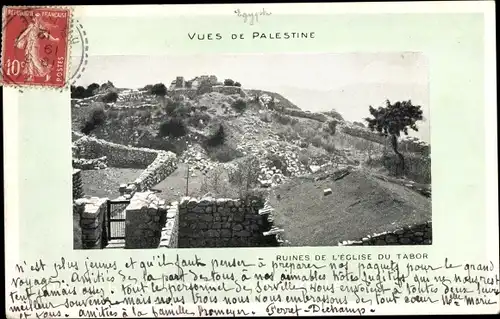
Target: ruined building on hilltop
{"points": [[181, 83]]}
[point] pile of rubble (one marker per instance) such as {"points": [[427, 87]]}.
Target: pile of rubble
{"points": [[90, 164], [197, 159]]}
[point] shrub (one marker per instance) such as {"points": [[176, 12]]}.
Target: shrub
{"points": [[110, 97], [181, 110], [91, 89], [245, 176], [223, 153], [199, 119], [78, 92], [239, 105], [148, 88], [217, 138], [238, 84], [96, 117], [159, 89], [336, 115], [215, 184], [284, 119], [228, 82], [174, 127]]}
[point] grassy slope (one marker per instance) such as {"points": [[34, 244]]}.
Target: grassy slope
{"points": [[360, 205]]}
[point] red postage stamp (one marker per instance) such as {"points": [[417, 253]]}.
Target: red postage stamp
{"points": [[35, 46]]}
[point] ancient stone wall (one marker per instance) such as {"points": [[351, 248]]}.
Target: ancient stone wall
{"points": [[117, 155], [420, 234], [170, 231], [158, 164], [163, 165], [90, 212], [90, 164], [190, 93], [210, 222], [228, 90], [405, 145], [77, 228], [77, 184], [298, 113], [146, 216]]}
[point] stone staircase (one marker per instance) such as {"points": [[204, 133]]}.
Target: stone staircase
{"points": [[267, 210], [115, 244]]}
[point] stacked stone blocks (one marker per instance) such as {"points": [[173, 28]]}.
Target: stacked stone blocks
{"points": [[77, 184], [145, 219], [210, 222], [420, 234], [89, 214]]}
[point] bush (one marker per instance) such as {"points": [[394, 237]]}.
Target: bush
{"points": [[110, 97], [228, 82], [96, 117], [336, 115], [148, 88], [284, 119], [181, 111], [78, 92], [91, 89], [159, 89], [239, 105], [199, 119], [217, 138], [223, 153], [245, 176], [215, 184], [238, 84], [173, 127]]}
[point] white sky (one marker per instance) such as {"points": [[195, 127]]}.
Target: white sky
{"points": [[311, 71], [334, 77]]}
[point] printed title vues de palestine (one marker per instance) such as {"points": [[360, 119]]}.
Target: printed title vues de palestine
{"points": [[254, 35]]}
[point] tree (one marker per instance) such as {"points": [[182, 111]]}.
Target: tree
{"points": [[228, 82], [239, 105], [393, 119], [91, 89], [77, 92], [217, 138], [110, 97], [159, 89], [238, 84], [174, 127]]}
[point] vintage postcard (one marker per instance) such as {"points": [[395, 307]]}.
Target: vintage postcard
{"points": [[250, 160]]}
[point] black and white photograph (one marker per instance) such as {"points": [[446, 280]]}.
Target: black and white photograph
{"points": [[252, 150]]}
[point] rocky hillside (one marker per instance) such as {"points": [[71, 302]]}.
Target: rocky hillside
{"points": [[222, 125]]}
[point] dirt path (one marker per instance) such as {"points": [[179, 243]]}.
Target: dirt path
{"points": [[173, 188]]}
